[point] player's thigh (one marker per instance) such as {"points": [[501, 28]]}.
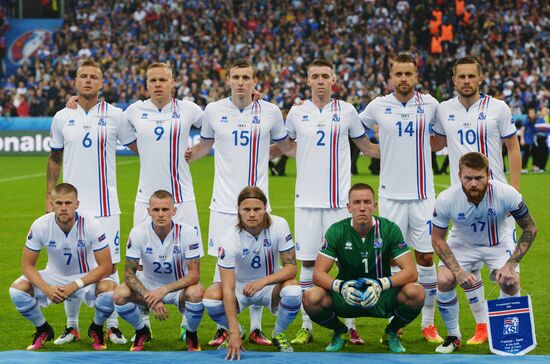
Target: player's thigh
{"points": [[420, 225], [308, 232], [140, 212], [470, 257], [260, 298], [186, 212], [496, 256], [218, 225], [384, 308], [111, 228], [395, 211]]}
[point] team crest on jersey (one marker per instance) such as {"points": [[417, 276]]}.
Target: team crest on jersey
{"points": [[175, 115], [176, 250], [461, 216], [144, 116], [221, 253], [491, 212], [255, 120], [71, 122], [377, 244], [267, 243], [335, 118], [348, 245], [81, 244], [51, 244], [419, 109], [102, 122], [101, 238], [245, 252], [29, 237], [451, 117], [148, 250], [305, 117], [482, 116], [388, 111], [224, 119]]}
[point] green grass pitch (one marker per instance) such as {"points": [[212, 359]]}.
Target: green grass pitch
{"points": [[22, 186]]}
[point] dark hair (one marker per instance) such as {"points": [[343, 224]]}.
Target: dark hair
{"points": [[65, 188], [467, 60], [361, 187], [404, 57], [257, 193], [161, 195], [474, 160], [242, 63]]}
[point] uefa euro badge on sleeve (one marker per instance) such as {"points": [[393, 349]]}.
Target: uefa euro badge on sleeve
{"points": [[511, 326]]}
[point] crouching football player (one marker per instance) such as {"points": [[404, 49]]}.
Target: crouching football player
{"points": [[364, 245], [170, 255], [79, 261], [248, 260]]}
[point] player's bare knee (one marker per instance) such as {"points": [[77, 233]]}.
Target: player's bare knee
{"points": [[122, 294], [193, 293], [424, 259], [445, 279], [214, 292], [412, 294], [105, 285], [313, 299], [23, 285]]}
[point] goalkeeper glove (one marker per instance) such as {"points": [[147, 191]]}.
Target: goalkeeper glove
{"points": [[349, 291]]}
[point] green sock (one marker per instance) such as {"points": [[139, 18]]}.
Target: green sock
{"points": [[402, 316], [329, 320]]}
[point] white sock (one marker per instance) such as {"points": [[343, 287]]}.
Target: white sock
{"points": [[427, 277], [291, 300], [350, 323], [255, 317], [112, 321], [476, 299], [216, 312], [131, 314], [448, 308], [306, 282], [72, 310], [27, 306], [193, 312], [184, 320], [103, 307]]}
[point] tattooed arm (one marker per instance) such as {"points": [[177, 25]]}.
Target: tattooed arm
{"points": [[284, 274], [463, 278], [507, 274], [55, 161], [131, 279]]}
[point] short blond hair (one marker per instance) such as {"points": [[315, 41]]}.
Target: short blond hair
{"points": [[160, 65], [89, 63]]}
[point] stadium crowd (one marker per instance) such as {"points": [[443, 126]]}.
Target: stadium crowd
{"points": [[198, 38]]}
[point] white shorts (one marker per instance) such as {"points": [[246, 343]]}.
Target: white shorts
{"points": [[219, 223], [172, 298], [414, 218], [111, 228], [310, 226], [84, 294], [471, 258], [186, 212], [261, 298]]}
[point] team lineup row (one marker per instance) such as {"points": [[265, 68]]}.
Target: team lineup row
{"points": [[242, 130]]}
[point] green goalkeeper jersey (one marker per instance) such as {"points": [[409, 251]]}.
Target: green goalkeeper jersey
{"points": [[369, 257]]}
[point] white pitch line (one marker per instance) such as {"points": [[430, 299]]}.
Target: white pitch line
{"points": [[28, 176]]}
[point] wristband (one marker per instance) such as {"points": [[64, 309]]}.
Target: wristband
{"points": [[79, 283], [385, 283], [336, 285]]}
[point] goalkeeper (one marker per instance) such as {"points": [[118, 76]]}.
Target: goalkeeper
{"points": [[364, 246]]}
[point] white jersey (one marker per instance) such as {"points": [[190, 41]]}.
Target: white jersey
{"points": [[89, 142], [405, 151], [68, 254], [242, 140], [163, 261], [323, 166], [162, 138], [481, 225], [481, 128], [255, 257]]}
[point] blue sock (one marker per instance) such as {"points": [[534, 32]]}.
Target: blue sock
{"points": [[291, 300], [27, 306], [130, 313], [216, 311], [103, 307], [193, 312]]}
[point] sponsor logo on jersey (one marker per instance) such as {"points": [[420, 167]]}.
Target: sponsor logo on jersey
{"points": [[377, 244], [305, 117], [71, 122], [348, 245], [144, 116], [288, 238], [51, 244], [193, 246], [29, 237], [267, 243], [511, 325], [491, 212], [451, 117], [221, 253], [224, 119], [177, 250], [101, 238], [403, 245], [461, 216], [148, 250], [387, 111], [245, 252]]}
